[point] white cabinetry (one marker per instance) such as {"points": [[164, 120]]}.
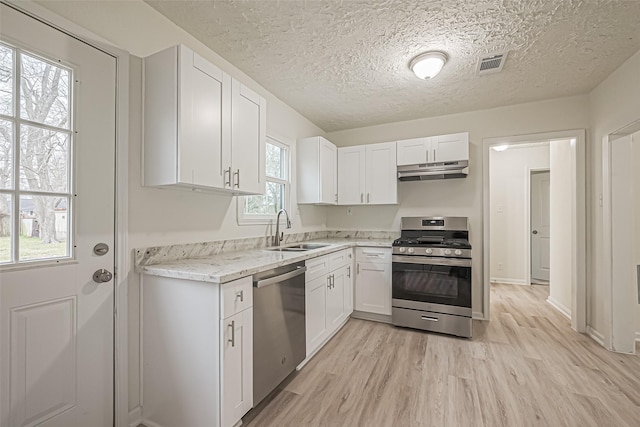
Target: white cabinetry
{"points": [[373, 280], [329, 288], [197, 353], [434, 149], [317, 163], [202, 129], [367, 174], [248, 140], [237, 350]]}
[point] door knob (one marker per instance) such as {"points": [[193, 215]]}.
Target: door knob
{"points": [[102, 276], [535, 231]]}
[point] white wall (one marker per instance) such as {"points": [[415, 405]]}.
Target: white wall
{"points": [[561, 224], [615, 103], [509, 193], [463, 197], [160, 217]]}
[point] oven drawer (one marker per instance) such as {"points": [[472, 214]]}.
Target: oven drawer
{"points": [[430, 321]]}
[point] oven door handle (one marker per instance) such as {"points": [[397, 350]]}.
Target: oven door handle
{"points": [[423, 260]]}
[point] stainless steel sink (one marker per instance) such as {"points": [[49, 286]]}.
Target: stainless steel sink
{"points": [[301, 247]]}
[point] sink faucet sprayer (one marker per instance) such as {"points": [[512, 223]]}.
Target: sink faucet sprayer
{"points": [[277, 238]]}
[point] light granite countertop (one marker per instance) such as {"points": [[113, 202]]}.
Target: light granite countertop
{"points": [[225, 267]]}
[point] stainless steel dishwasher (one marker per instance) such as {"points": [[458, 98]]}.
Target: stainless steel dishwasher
{"points": [[279, 337]]}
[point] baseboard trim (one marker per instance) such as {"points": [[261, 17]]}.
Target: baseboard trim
{"points": [[135, 416], [375, 317], [478, 316], [566, 312], [595, 335], [506, 281]]}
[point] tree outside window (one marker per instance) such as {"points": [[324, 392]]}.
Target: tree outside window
{"points": [[265, 207]]}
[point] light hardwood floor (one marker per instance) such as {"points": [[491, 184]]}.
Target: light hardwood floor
{"points": [[524, 368]]}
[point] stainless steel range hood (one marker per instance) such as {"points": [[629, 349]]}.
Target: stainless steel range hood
{"points": [[430, 171]]}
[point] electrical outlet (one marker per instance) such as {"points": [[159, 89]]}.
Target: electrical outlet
{"points": [[349, 212]]}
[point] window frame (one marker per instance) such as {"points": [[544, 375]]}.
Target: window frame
{"points": [[15, 192], [265, 219]]}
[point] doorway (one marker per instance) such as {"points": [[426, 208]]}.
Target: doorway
{"points": [[568, 157], [621, 207]]}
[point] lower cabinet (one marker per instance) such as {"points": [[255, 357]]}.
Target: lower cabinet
{"points": [[197, 349], [329, 292], [373, 280], [237, 367]]}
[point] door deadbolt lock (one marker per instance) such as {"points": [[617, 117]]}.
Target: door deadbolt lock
{"points": [[102, 276], [101, 249]]}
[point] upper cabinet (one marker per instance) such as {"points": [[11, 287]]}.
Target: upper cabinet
{"points": [[202, 129], [317, 162], [367, 174], [434, 149], [248, 139]]}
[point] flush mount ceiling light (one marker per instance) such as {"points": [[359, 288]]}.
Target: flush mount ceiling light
{"points": [[501, 147], [427, 65]]}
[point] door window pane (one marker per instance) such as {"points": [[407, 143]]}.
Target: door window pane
{"points": [[6, 154], [5, 228], [44, 226], [44, 92], [44, 159], [6, 80]]}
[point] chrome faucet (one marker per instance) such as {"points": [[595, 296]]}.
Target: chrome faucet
{"points": [[277, 238]]}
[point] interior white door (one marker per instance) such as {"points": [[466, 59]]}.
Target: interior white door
{"points": [[540, 225], [57, 136]]}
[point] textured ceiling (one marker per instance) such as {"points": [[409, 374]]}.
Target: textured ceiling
{"points": [[343, 64]]}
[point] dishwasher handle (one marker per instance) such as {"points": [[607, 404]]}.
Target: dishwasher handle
{"points": [[277, 279]]}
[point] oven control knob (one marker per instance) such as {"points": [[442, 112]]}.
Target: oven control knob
{"points": [[410, 250], [401, 249], [429, 251], [447, 251], [458, 252]]}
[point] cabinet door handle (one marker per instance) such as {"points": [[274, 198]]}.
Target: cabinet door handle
{"points": [[358, 268], [236, 183], [368, 198], [227, 182], [336, 197], [333, 280], [232, 340], [349, 271], [361, 197], [240, 295], [427, 155], [328, 282], [434, 155]]}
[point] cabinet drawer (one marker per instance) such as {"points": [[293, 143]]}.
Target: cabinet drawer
{"points": [[373, 254], [338, 259], [236, 296], [317, 267]]}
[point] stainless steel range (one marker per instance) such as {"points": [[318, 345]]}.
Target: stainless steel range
{"points": [[432, 275]]}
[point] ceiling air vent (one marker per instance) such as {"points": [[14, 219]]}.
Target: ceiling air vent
{"points": [[491, 64]]}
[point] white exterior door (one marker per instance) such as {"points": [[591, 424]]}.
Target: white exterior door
{"points": [[57, 161], [540, 226]]}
